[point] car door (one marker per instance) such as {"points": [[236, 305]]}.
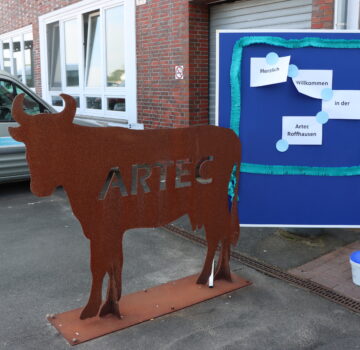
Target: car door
{"points": [[13, 165]]}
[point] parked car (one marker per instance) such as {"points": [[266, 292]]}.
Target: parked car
{"points": [[13, 165]]}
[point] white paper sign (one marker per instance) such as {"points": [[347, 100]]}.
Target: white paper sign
{"points": [[345, 104], [311, 82], [261, 73], [301, 131]]}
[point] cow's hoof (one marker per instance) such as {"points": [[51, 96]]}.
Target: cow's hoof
{"points": [[110, 308], [89, 311]]}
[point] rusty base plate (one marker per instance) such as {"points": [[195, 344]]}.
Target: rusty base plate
{"points": [[142, 306]]}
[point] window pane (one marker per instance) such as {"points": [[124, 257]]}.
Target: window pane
{"points": [[116, 104], [57, 101], [93, 58], [115, 47], [93, 102], [29, 59], [71, 53], [77, 100], [53, 52], [17, 58], [6, 56]]}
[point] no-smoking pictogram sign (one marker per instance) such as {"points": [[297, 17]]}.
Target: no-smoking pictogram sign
{"points": [[179, 72]]}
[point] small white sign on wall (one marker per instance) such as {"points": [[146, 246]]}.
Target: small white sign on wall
{"points": [[140, 2], [179, 72]]}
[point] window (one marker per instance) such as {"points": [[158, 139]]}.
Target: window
{"points": [[53, 45], [347, 14], [115, 62], [88, 51], [28, 57], [92, 45], [16, 56], [71, 57]]}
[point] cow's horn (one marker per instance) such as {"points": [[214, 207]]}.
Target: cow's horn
{"points": [[17, 110], [69, 110]]}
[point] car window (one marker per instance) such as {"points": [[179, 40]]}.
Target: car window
{"points": [[6, 98], [8, 91], [30, 105]]}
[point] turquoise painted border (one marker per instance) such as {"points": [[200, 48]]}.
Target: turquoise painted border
{"points": [[235, 81]]}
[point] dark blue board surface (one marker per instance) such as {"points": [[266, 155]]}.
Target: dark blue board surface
{"points": [[293, 199]]}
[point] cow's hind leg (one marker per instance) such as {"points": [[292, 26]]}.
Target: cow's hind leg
{"points": [[223, 266], [212, 245], [111, 305]]}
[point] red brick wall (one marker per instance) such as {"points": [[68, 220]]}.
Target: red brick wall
{"points": [[171, 33], [198, 64], [322, 14], [15, 14], [161, 44]]}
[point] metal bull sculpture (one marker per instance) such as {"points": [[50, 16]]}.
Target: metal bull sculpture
{"points": [[117, 179]]}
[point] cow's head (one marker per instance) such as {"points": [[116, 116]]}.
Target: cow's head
{"points": [[44, 136]]}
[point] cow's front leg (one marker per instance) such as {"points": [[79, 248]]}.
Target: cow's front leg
{"points": [[98, 270], [92, 307]]}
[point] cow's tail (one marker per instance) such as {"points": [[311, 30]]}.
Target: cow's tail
{"points": [[235, 227]]}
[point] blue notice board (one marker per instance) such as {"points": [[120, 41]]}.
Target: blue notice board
{"points": [[287, 180]]}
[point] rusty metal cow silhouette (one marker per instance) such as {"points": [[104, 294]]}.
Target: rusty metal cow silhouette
{"points": [[117, 179]]}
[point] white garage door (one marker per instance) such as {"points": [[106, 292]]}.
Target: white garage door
{"points": [[254, 14]]}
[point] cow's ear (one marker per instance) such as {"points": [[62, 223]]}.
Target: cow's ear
{"points": [[16, 133], [69, 111]]}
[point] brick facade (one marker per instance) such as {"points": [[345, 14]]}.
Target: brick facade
{"points": [[168, 33], [322, 14], [161, 44]]}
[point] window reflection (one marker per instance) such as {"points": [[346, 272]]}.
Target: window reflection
{"points": [[6, 56], [17, 57], [93, 59], [57, 101], [53, 43], [71, 53], [29, 59], [93, 102], [116, 104], [115, 60]]}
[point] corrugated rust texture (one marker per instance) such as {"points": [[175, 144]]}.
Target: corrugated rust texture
{"points": [[117, 179], [142, 306]]}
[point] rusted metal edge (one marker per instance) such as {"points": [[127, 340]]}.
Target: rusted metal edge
{"points": [[275, 272]]}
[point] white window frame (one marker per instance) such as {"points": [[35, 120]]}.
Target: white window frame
{"points": [[21, 32], [129, 91], [347, 14]]}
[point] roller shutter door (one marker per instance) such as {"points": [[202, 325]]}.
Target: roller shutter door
{"points": [[254, 14]]}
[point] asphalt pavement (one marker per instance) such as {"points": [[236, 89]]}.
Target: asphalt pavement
{"points": [[44, 268]]}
